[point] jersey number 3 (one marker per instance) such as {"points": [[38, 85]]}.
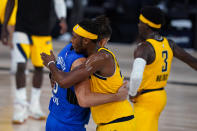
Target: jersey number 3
{"points": [[165, 57]]}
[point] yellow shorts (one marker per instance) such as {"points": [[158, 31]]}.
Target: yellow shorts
{"points": [[12, 20], [147, 110], [120, 126], [26, 47]]}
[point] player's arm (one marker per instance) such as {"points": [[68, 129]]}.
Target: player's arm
{"points": [[183, 55], [8, 12], [66, 79], [86, 98], [60, 9], [141, 58]]}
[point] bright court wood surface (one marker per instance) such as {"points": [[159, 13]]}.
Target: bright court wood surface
{"points": [[180, 114]]}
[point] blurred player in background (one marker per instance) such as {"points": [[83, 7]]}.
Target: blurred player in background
{"points": [[34, 21], [10, 28], [151, 68]]}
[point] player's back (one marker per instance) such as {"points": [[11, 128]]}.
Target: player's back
{"points": [[156, 74]]}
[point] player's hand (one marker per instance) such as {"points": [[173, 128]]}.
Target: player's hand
{"points": [[47, 58], [123, 91], [133, 98], [63, 26], [4, 35], [10, 37]]}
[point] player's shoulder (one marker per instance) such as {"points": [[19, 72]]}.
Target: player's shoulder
{"points": [[144, 50], [100, 55], [172, 44], [143, 46], [98, 58], [106, 54], [78, 62], [66, 48]]}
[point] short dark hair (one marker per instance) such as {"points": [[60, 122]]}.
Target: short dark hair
{"points": [[99, 26], [105, 29], [88, 25], [153, 14]]}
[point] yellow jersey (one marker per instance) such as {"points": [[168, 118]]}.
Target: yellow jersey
{"points": [[110, 111], [156, 74]]}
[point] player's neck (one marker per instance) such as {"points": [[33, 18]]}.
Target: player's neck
{"points": [[91, 51], [154, 35]]}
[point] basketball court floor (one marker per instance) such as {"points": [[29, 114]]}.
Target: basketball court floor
{"points": [[180, 113]]}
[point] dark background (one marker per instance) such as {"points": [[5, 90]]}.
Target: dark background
{"points": [[124, 14]]}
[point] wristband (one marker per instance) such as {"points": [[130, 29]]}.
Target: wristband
{"points": [[50, 63]]}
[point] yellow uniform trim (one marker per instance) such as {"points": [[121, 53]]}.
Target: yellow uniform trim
{"points": [[151, 24], [12, 19], [108, 112], [39, 45], [120, 126], [84, 33]]}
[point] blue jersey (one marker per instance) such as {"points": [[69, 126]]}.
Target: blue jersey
{"points": [[63, 104]]}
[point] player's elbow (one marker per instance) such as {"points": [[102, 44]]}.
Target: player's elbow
{"points": [[63, 84], [83, 102]]}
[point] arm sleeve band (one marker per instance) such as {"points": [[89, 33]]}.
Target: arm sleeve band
{"points": [[60, 8], [136, 75]]}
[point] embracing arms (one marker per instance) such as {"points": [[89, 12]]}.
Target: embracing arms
{"points": [[78, 74], [86, 98]]}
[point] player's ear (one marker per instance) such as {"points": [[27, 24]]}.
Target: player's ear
{"points": [[147, 28], [86, 41], [103, 42]]}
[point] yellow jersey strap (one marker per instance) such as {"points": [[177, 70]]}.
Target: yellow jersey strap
{"points": [[150, 40], [164, 40], [109, 52]]}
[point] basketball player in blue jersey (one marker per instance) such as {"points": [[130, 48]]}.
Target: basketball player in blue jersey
{"points": [[34, 22], [151, 68], [65, 112]]}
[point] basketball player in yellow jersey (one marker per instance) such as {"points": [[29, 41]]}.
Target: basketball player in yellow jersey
{"points": [[31, 37], [101, 66], [11, 22], [111, 116], [151, 68]]}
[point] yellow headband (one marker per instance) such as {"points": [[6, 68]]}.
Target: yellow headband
{"points": [[84, 33], [151, 24]]}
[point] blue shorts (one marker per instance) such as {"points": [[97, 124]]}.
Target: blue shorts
{"points": [[53, 124]]}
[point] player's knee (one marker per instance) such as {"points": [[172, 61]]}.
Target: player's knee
{"points": [[21, 67], [38, 69]]}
